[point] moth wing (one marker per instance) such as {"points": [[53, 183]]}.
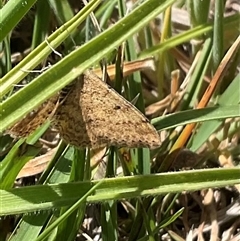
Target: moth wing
{"points": [[110, 119]]}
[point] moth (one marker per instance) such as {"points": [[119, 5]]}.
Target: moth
{"points": [[89, 113]]}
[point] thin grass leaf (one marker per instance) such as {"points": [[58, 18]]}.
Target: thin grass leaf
{"points": [[36, 198]]}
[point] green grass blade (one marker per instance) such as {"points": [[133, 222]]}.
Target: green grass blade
{"points": [[51, 227], [193, 116], [44, 197], [11, 13], [19, 155]]}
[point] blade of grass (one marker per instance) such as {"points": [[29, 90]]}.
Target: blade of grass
{"points": [[218, 34], [18, 156], [52, 196], [11, 13], [188, 35], [56, 223], [195, 116], [41, 23], [229, 98]]}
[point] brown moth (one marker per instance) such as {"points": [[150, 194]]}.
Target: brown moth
{"points": [[92, 114]]}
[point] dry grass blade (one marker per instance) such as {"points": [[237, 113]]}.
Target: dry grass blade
{"points": [[128, 67]]}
